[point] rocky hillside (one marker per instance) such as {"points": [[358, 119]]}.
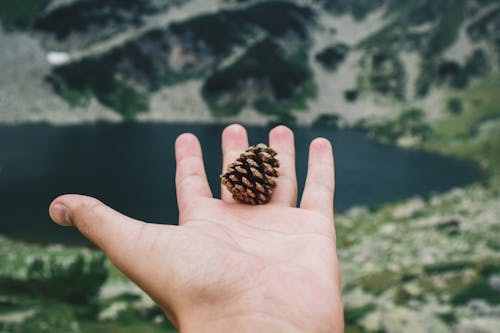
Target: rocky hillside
{"points": [[240, 60]]}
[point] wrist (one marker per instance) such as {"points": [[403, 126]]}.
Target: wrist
{"points": [[242, 323], [233, 319]]}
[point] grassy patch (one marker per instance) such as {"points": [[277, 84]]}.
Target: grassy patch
{"points": [[379, 282], [479, 290], [467, 135], [77, 280], [463, 280], [460, 265], [410, 122], [353, 316]]}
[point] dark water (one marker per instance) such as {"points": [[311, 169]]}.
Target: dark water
{"points": [[131, 167]]}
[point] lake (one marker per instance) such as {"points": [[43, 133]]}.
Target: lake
{"points": [[131, 167]]}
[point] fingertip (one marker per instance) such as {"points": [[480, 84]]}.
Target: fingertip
{"points": [[187, 144], [186, 138], [321, 144], [61, 207], [233, 130], [281, 131], [281, 139], [58, 212]]}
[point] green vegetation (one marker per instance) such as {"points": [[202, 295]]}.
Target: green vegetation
{"points": [[20, 14], [327, 121], [56, 289], [452, 73], [466, 280], [444, 16], [441, 72], [478, 290], [123, 78], [477, 63], [359, 9], [384, 73], [473, 133], [332, 56], [78, 82], [429, 253], [487, 28], [410, 123], [454, 105], [351, 95], [425, 78], [264, 77], [222, 31], [379, 282], [92, 15], [75, 279], [354, 315], [433, 257], [429, 28]]}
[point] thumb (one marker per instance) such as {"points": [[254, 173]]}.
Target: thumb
{"points": [[120, 237], [96, 221], [128, 243]]}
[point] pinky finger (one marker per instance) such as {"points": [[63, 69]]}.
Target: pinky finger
{"points": [[320, 183]]}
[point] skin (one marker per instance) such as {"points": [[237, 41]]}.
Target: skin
{"points": [[229, 266]]}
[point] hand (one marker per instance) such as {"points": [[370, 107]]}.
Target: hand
{"points": [[230, 267]]}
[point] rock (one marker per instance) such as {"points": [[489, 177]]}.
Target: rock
{"points": [[399, 319], [413, 289], [388, 229], [113, 311], [357, 298], [111, 290], [409, 141], [357, 211], [494, 282], [477, 325], [16, 316], [409, 208], [372, 322]]}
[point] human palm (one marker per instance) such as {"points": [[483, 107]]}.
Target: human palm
{"points": [[230, 266]]}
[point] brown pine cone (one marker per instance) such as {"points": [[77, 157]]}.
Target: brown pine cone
{"points": [[249, 178]]}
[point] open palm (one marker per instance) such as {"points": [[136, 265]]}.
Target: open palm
{"points": [[230, 266]]}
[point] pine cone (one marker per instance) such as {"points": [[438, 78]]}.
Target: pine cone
{"points": [[249, 178]]}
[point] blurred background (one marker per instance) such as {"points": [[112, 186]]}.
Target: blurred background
{"points": [[94, 92]]}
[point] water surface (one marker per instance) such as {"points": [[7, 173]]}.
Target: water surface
{"points": [[131, 167]]}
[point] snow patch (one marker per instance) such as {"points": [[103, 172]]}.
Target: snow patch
{"points": [[57, 58]]}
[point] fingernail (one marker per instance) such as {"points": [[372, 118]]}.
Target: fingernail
{"points": [[60, 214]]}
